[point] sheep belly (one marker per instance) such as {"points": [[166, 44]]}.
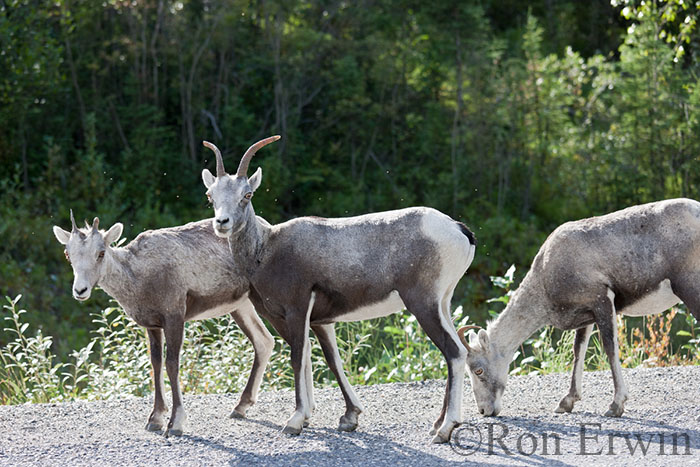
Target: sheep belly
{"points": [[220, 310], [655, 302], [391, 304]]}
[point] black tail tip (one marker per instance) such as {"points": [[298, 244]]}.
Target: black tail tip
{"points": [[468, 233]]}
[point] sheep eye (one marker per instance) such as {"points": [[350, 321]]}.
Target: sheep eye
{"points": [[479, 372], [65, 252], [248, 195], [101, 255]]}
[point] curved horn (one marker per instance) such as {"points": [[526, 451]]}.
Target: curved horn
{"points": [[74, 228], [461, 332], [243, 166], [95, 224], [220, 172]]}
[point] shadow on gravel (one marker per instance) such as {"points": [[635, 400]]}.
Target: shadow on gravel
{"points": [[264, 423], [357, 448]]}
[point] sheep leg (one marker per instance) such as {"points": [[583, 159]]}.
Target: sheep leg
{"points": [[298, 334], [262, 341], [446, 307], [443, 334], [309, 379], [156, 421], [280, 326], [329, 344], [606, 319], [685, 287], [441, 419], [580, 345], [173, 339]]}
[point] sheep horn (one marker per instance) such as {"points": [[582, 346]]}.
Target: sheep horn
{"points": [[243, 166], [74, 228], [461, 332], [95, 224], [220, 172]]}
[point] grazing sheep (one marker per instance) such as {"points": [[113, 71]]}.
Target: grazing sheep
{"points": [[638, 261]]}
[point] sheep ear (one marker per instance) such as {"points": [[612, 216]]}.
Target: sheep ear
{"points": [[114, 233], [484, 339], [61, 235], [472, 339], [207, 178], [255, 180]]}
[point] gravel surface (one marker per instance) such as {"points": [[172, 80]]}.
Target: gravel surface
{"points": [[393, 429]]}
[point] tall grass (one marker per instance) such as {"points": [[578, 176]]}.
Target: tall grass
{"points": [[28, 372]]}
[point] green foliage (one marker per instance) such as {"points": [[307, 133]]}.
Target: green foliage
{"points": [[691, 331], [392, 349], [512, 119], [28, 372], [216, 356]]}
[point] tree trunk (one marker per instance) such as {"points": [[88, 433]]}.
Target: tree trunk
{"points": [[76, 86], [154, 51], [456, 125], [23, 148], [281, 104], [189, 121]]}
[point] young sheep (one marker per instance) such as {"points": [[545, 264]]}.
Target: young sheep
{"points": [[638, 261], [163, 278], [312, 271]]}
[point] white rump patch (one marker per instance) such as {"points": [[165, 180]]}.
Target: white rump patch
{"points": [[653, 303], [454, 249], [391, 304]]}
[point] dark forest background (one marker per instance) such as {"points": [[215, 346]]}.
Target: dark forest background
{"points": [[511, 116]]}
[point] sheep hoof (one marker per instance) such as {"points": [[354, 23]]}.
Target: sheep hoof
{"points": [[444, 433], [306, 423], [348, 422], [236, 414], [173, 432], [567, 404], [564, 407], [615, 410], [436, 426], [291, 430], [154, 426], [441, 439], [346, 425]]}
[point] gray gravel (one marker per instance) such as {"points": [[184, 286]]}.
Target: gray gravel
{"points": [[393, 429]]}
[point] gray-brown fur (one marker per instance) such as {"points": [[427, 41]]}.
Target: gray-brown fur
{"points": [[588, 271], [162, 279], [339, 266], [343, 264]]}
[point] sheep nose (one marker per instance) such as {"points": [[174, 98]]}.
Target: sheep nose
{"points": [[80, 292], [481, 411], [222, 221]]}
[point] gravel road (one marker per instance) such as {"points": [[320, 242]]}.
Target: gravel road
{"points": [[393, 429]]}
